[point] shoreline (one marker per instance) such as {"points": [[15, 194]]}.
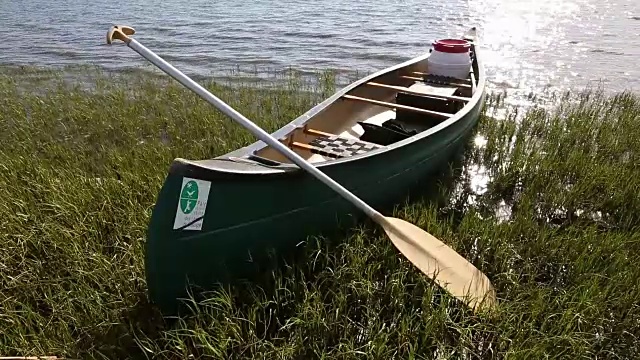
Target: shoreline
{"points": [[320, 85]]}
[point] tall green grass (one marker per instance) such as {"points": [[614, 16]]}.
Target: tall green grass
{"points": [[555, 227]]}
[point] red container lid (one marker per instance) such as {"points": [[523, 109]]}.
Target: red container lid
{"points": [[452, 45]]}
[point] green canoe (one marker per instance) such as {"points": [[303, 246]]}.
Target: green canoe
{"points": [[214, 219]]}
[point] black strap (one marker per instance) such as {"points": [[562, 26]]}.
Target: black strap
{"points": [[383, 135]]}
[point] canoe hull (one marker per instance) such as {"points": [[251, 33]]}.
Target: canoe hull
{"points": [[249, 214], [215, 221]]}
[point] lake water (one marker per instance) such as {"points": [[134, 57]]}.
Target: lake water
{"points": [[531, 46]]}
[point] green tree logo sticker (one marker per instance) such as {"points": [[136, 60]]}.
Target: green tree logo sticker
{"points": [[189, 197]]}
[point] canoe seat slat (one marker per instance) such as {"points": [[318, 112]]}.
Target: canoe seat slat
{"points": [[337, 147]]}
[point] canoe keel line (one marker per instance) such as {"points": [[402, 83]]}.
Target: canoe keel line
{"points": [[215, 219]]}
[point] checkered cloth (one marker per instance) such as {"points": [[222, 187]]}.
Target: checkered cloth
{"points": [[337, 147]]}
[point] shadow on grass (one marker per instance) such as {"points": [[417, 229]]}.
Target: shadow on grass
{"points": [[280, 281]]}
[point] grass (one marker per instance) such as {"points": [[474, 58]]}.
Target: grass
{"points": [[554, 225]]}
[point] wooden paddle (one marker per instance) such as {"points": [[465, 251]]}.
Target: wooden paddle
{"points": [[435, 259]]}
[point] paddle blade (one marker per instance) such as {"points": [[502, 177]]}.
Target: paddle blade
{"points": [[441, 263]]}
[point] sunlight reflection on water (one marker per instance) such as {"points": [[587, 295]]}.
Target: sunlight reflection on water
{"points": [[541, 46]]}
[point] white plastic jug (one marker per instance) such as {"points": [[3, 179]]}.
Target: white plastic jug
{"points": [[450, 57]]}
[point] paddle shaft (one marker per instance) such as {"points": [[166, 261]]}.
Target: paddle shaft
{"points": [[253, 128]]}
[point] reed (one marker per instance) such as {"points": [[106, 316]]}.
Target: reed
{"points": [[546, 203]]}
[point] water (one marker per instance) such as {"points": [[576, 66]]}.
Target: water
{"points": [[531, 46]]}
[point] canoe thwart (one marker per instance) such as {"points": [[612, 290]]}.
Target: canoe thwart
{"points": [[418, 93], [397, 106], [336, 147], [308, 130]]}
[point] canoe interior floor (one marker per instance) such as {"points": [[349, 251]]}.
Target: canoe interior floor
{"points": [[376, 116]]}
